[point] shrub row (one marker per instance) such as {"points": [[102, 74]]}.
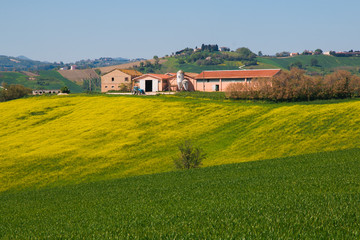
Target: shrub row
{"points": [[296, 86], [9, 92]]}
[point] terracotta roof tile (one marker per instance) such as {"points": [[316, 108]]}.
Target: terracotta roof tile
{"points": [[238, 74], [131, 72], [158, 76]]}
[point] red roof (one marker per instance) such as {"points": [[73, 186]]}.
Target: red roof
{"points": [[238, 74], [157, 76]]}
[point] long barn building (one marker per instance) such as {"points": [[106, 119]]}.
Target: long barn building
{"points": [[207, 81], [211, 81]]}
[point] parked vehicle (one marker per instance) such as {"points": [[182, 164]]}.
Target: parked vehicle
{"points": [[137, 91]]}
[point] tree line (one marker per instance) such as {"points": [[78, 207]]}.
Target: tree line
{"points": [[295, 85], [207, 57], [14, 91]]}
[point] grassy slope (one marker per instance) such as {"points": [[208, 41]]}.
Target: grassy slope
{"points": [[171, 65], [326, 64], [71, 139], [312, 196], [52, 78]]}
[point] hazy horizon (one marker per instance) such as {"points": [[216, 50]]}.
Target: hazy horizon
{"points": [[69, 31]]}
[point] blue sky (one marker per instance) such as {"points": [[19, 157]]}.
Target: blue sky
{"points": [[70, 30]]}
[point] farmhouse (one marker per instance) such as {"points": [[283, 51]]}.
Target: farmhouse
{"points": [[153, 82], [114, 79], [211, 81], [164, 82], [207, 81]]}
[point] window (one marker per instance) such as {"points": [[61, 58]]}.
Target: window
{"points": [[112, 79], [126, 79], [112, 86], [105, 86]]}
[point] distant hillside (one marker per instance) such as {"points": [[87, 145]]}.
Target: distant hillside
{"points": [[79, 75], [45, 80], [24, 58], [22, 63], [127, 65], [325, 64], [317, 64], [100, 62]]}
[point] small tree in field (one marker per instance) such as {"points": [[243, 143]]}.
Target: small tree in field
{"points": [[65, 89], [190, 156]]}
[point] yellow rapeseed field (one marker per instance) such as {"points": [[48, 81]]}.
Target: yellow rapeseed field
{"points": [[56, 140]]}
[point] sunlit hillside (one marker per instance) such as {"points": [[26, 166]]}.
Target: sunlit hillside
{"points": [[59, 140]]}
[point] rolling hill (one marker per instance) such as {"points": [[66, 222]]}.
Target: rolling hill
{"points": [[78, 75], [23, 63], [326, 64], [312, 196], [44, 80], [105, 70], [89, 138], [98, 166]]}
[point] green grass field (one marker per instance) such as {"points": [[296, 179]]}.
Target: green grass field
{"points": [[314, 196], [326, 64], [45, 80], [99, 166]]}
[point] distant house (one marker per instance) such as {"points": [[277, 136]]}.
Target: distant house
{"points": [[212, 81], [224, 49], [308, 52], [72, 67], [113, 80], [44, 91], [294, 54]]}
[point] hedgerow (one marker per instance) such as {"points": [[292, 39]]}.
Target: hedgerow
{"points": [[296, 86]]}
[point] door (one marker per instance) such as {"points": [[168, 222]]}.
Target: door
{"points": [[142, 84], [148, 85], [155, 87]]}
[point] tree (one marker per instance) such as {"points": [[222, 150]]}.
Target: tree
{"points": [[282, 54], [9, 92], [296, 64], [98, 71], [156, 58], [314, 62], [190, 156], [65, 89], [318, 51], [245, 53], [260, 54]]}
